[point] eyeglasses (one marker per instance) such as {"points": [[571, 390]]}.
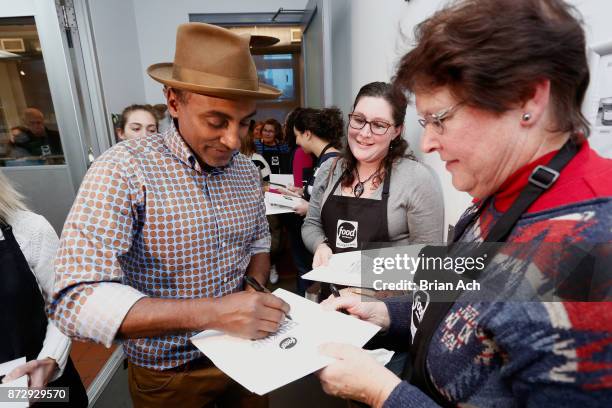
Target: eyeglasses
{"points": [[437, 119], [377, 127]]}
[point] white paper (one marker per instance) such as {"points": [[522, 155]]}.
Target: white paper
{"points": [[282, 200], [381, 355], [273, 204], [264, 365], [284, 179], [343, 269], [22, 381]]}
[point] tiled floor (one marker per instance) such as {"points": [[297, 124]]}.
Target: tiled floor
{"points": [[89, 358]]}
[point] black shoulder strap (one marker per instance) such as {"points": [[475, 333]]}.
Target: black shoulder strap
{"points": [[387, 184], [540, 180]]}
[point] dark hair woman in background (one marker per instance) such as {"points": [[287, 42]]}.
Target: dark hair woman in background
{"points": [[137, 121], [318, 132]]}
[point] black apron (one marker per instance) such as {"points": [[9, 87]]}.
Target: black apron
{"points": [[23, 321], [352, 223], [427, 315], [276, 160]]}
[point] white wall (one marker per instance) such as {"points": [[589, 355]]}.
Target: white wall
{"points": [[380, 32], [118, 51], [156, 22]]}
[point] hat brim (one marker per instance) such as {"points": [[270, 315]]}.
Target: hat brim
{"points": [[162, 72]]}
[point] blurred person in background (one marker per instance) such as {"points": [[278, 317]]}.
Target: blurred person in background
{"points": [[273, 147], [137, 121], [27, 251], [247, 147], [43, 141]]}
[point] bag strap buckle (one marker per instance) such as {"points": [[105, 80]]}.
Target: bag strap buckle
{"points": [[543, 177]]}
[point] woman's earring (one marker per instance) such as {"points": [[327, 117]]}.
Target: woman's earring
{"points": [[526, 117]]}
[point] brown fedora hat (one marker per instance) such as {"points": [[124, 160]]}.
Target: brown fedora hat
{"points": [[212, 61]]}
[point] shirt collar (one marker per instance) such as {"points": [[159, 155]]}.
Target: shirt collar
{"points": [[179, 148], [512, 187]]}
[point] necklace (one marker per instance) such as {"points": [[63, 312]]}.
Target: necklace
{"points": [[359, 187]]}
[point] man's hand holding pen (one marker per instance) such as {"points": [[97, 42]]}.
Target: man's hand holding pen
{"points": [[251, 315]]}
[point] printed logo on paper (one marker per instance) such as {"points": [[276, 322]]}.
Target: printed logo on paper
{"points": [[288, 343]]}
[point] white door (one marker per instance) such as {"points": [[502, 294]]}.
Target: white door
{"points": [[43, 148]]}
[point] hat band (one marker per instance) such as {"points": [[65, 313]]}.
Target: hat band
{"points": [[192, 76]]}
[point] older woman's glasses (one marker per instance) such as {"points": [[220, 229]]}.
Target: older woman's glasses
{"points": [[437, 119], [377, 127]]}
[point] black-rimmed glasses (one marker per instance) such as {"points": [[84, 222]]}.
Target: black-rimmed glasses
{"points": [[437, 119], [377, 127]]}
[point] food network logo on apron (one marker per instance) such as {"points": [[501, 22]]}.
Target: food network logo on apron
{"points": [[346, 234], [419, 306], [275, 161]]}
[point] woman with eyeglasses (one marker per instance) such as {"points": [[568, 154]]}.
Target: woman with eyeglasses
{"points": [[376, 192], [500, 96]]}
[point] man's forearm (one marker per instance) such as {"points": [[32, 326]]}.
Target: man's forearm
{"points": [[150, 317], [259, 267]]}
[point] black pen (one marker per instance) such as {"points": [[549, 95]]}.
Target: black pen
{"points": [[334, 291], [252, 282]]}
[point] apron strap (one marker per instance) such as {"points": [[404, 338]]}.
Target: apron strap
{"points": [[386, 184], [542, 178]]}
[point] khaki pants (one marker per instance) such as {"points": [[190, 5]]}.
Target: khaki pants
{"points": [[196, 384]]}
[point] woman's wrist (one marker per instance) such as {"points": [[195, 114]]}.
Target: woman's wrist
{"points": [[381, 395], [324, 242]]}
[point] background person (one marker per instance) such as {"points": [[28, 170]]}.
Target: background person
{"points": [[273, 147], [137, 121], [43, 141], [247, 147], [257, 131], [318, 132], [18, 141], [27, 251], [498, 100]]}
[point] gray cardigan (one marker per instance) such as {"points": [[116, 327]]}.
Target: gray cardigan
{"points": [[415, 210]]}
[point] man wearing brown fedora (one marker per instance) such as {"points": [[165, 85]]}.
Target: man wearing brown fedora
{"points": [[164, 229]]}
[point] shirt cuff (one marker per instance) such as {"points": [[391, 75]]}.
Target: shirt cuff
{"points": [[56, 346], [407, 395], [104, 311], [399, 315], [260, 246]]}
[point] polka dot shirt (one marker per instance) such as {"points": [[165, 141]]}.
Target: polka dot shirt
{"points": [[149, 221]]}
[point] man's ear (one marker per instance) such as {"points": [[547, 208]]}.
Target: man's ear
{"points": [[173, 102]]}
